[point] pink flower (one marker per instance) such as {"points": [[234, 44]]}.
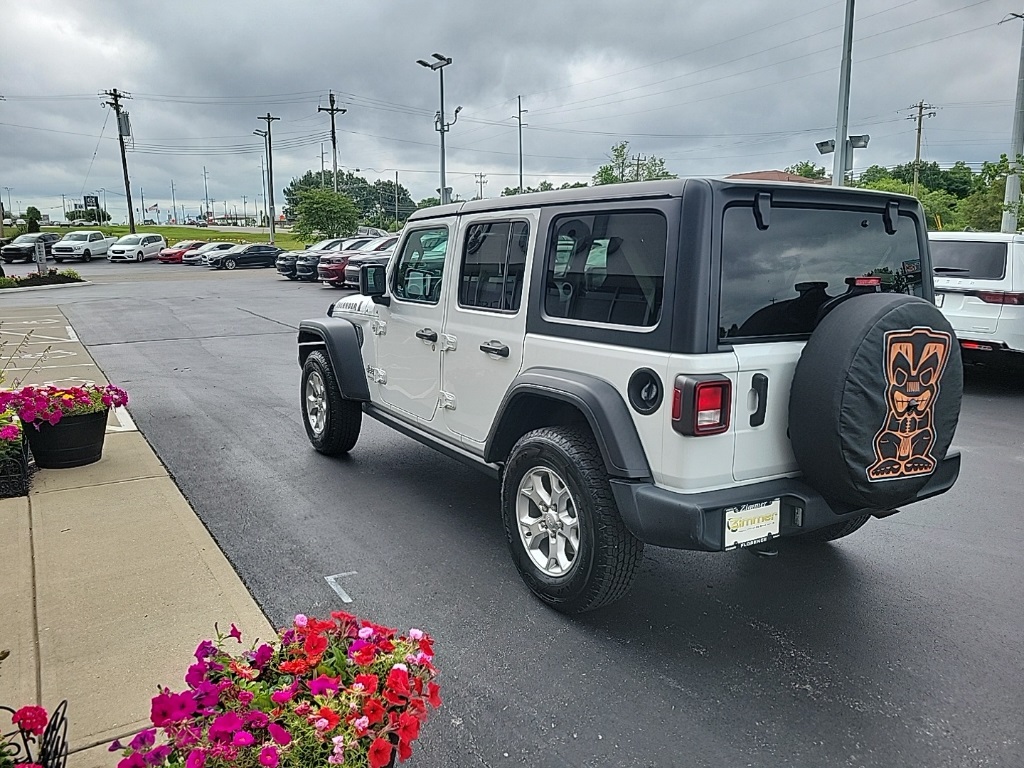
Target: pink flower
{"points": [[361, 724], [256, 719], [235, 633], [415, 634], [196, 759], [301, 620], [31, 720], [268, 757], [245, 697], [366, 633], [323, 684], [279, 734], [321, 724], [10, 432], [243, 739], [262, 655]]}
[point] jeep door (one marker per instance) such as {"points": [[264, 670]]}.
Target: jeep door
{"points": [[409, 346], [486, 319]]}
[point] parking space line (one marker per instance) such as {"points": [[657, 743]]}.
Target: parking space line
{"points": [[332, 581]]}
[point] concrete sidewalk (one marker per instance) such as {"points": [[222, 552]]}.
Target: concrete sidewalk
{"points": [[108, 581]]}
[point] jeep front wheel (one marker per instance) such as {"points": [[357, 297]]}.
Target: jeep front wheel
{"points": [[561, 522], [332, 422]]}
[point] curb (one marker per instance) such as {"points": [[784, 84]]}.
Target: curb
{"points": [[4, 291]]}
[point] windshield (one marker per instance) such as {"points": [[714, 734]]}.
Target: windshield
{"points": [[76, 236], [25, 239], [129, 240], [970, 259], [324, 245], [209, 247], [774, 280], [235, 249]]}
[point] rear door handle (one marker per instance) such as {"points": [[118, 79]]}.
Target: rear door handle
{"points": [[494, 348], [760, 386], [427, 335]]}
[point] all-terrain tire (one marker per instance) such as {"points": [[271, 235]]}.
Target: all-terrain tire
{"points": [[834, 531], [343, 418], [608, 555]]}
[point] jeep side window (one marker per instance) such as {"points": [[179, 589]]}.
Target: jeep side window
{"points": [[420, 266], [607, 268], [493, 265]]}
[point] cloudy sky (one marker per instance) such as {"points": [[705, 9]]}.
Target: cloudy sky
{"points": [[713, 87]]}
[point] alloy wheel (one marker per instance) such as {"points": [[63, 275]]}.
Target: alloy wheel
{"points": [[549, 524], [316, 402]]}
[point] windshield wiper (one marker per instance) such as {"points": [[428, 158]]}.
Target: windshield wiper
{"points": [[950, 269]]}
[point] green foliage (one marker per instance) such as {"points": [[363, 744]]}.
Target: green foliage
{"points": [[81, 214], [807, 169], [873, 174], [324, 213], [544, 186], [623, 167], [32, 218], [428, 202], [374, 203]]}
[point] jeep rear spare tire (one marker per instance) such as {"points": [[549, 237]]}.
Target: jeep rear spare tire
{"points": [[875, 400], [561, 522]]}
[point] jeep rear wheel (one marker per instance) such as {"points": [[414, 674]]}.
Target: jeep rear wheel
{"points": [[561, 522], [332, 422]]}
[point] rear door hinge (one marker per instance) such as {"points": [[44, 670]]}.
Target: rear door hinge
{"points": [[446, 400], [448, 342], [377, 375], [379, 327]]}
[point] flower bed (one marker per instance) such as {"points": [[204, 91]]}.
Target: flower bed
{"points": [[14, 458], [36, 405], [342, 692], [50, 277], [38, 739]]}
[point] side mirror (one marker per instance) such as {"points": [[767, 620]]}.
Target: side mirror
{"points": [[373, 283]]}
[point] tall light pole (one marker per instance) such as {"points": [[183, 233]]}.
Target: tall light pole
{"points": [[843, 115], [519, 118], [440, 125], [9, 209], [270, 169], [1012, 195]]}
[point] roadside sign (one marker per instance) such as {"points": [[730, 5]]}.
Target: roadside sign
{"points": [[40, 254], [92, 202]]}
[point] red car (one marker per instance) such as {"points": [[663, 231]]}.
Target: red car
{"points": [[331, 270], [172, 254]]}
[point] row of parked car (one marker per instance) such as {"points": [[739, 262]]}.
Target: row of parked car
{"points": [[220, 255], [336, 261], [84, 245]]}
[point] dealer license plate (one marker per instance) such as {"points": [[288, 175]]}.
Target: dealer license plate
{"points": [[752, 523]]}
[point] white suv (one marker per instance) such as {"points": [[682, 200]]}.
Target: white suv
{"points": [[697, 364], [979, 285], [136, 248]]}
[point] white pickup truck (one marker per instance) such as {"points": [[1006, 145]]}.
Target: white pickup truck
{"points": [[83, 244]]}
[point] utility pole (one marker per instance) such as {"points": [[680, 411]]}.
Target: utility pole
{"points": [[270, 170], [123, 130], [1011, 197], [245, 219], [639, 160], [263, 178], [142, 194], [843, 114], [63, 207], [323, 182], [332, 110], [206, 191], [174, 205], [481, 179], [519, 118], [921, 115]]}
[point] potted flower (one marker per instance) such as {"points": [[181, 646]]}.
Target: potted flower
{"points": [[13, 456], [36, 739], [327, 692], [64, 425]]}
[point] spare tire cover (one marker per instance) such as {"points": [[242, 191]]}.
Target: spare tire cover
{"points": [[875, 400]]}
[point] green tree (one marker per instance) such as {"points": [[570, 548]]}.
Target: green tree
{"points": [[807, 169], [88, 215], [940, 208], [32, 218], [929, 174], [324, 213], [428, 202], [383, 213], [544, 186], [959, 180], [355, 187], [873, 174], [622, 167]]}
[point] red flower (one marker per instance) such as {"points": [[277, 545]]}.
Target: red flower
{"points": [[369, 683], [31, 720], [433, 695], [295, 667], [398, 681], [392, 698], [364, 656], [426, 645], [330, 716], [316, 626], [408, 727], [380, 753], [404, 751], [374, 711], [315, 645], [342, 616]]}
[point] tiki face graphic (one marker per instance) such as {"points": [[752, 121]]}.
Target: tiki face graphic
{"points": [[914, 362]]}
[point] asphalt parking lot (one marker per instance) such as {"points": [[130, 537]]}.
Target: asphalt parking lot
{"points": [[899, 646]]}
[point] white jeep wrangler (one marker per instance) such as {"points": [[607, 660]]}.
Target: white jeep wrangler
{"points": [[698, 364]]}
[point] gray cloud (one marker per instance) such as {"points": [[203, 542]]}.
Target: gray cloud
{"points": [[713, 87]]}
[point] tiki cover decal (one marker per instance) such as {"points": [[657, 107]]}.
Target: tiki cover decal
{"points": [[914, 362]]}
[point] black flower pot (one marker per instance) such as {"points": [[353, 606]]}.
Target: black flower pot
{"points": [[73, 442]]}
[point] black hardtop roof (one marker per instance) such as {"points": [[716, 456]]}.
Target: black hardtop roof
{"points": [[639, 191]]}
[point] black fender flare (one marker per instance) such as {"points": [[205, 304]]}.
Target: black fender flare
{"points": [[342, 340], [596, 399]]}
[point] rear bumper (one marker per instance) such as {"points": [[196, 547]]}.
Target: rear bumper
{"points": [[697, 520]]}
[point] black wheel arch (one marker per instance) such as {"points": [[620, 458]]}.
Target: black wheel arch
{"points": [[342, 340], [542, 397]]}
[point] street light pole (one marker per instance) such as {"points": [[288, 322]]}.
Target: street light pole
{"points": [[1011, 197], [440, 123], [843, 115]]}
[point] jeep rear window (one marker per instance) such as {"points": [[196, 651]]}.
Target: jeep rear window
{"points": [[607, 268], [775, 280], [971, 259]]}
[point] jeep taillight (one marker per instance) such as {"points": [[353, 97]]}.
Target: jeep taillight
{"points": [[999, 297], [701, 404]]}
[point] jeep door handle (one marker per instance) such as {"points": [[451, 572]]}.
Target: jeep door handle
{"points": [[759, 383], [427, 335], [494, 348]]}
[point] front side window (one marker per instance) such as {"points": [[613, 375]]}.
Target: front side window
{"points": [[493, 265], [420, 266], [776, 279], [607, 268]]}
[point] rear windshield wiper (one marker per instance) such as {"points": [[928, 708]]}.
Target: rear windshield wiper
{"points": [[950, 269]]}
